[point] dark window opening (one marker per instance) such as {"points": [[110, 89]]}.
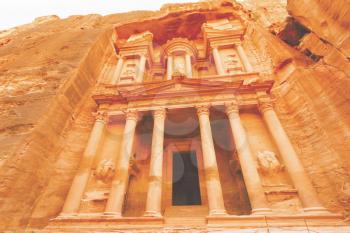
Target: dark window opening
{"points": [[186, 189]]}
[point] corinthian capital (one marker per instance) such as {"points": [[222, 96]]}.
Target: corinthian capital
{"points": [[131, 115], [159, 113], [203, 110], [265, 104], [101, 116], [232, 107]]}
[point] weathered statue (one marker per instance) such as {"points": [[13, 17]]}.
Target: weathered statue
{"points": [[105, 170], [268, 162]]}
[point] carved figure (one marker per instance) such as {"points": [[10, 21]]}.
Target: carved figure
{"points": [[179, 67], [268, 162], [105, 170]]}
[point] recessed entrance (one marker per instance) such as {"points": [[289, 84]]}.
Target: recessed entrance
{"points": [[185, 179]]}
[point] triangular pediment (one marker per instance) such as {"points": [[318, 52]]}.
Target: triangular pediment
{"points": [[175, 87]]}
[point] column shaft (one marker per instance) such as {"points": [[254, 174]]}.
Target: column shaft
{"points": [[250, 174], [118, 71], [72, 203], [241, 53], [291, 160], [119, 184], [141, 69], [154, 194], [169, 67], [188, 66], [214, 191], [218, 62]]}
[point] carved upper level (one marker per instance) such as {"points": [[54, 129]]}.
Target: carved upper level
{"points": [[214, 51]]}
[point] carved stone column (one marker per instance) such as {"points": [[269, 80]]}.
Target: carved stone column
{"points": [[298, 175], [154, 194], [188, 66], [141, 69], [218, 62], [72, 203], [241, 53], [250, 174], [118, 71], [169, 67], [119, 184], [214, 191]]}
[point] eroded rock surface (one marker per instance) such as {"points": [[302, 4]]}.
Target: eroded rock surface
{"points": [[48, 70]]}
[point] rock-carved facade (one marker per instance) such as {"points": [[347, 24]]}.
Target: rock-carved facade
{"points": [[168, 99], [206, 115]]}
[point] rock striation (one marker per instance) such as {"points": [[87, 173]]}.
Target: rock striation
{"points": [[49, 70]]}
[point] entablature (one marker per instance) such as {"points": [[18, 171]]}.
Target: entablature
{"points": [[181, 90]]}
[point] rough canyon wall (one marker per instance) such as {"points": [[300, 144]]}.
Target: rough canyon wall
{"points": [[48, 70]]}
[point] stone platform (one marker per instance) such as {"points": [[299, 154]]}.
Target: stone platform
{"points": [[225, 223]]}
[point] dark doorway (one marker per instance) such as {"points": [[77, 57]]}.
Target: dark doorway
{"points": [[185, 179]]}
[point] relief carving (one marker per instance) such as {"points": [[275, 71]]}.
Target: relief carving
{"points": [[232, 64], [268, 162], [105, 170]]}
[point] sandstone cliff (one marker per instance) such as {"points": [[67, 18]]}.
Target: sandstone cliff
{"points": [[48, 70]]}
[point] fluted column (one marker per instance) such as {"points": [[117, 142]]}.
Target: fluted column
{"points": [[218, 62], [241, 53], [154, 194], [141, 69], [298, 175], [214, 191], [72, 203], [169, 67], [119, 184], [250, 174], [118, 71], [188, 66]]}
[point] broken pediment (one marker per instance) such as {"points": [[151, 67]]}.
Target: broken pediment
{"points": [[140, 39], [178, 86]]}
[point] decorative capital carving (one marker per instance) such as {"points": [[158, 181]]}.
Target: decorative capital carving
{"points": [[203, 109], [159, 113], [232, 107], [131, 115], [101, 116], [265, 104]]}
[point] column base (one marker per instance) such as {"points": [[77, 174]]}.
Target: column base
{"points": [[262, 211], [113, 214], [316, 210], [218, 212], [151, 213], [67, 215]]}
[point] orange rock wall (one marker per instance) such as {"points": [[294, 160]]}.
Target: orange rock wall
{"points": [[48, 68]]}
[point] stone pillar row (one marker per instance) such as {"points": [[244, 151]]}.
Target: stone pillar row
{"points": [[251, 176], [188, 65], [297, 173]]}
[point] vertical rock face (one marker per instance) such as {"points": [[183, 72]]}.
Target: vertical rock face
{"points": [[48, 70]]}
